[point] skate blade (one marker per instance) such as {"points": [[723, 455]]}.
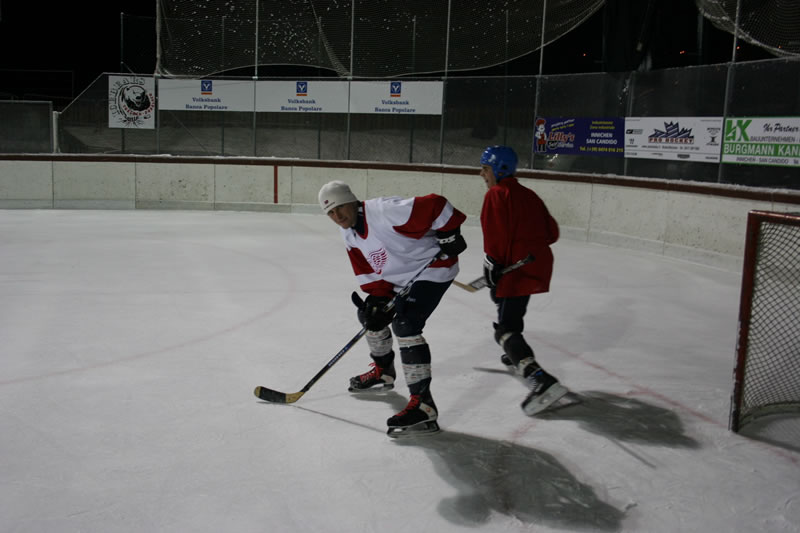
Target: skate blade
{"points": [[551, 395], [372, 390], [417, 430]]}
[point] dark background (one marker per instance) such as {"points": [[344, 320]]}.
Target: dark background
{"points": [[54, 51]]}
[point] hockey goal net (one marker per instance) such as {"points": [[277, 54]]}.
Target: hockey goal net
{"points": [[767, 373]]}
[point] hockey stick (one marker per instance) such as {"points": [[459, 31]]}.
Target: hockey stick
{"points": [[270, 395], [479, 283]]}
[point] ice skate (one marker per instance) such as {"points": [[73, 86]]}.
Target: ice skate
{"points": [[545, 391], [417, 418], [376, 380]]}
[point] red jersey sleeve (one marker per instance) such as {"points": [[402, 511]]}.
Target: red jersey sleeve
{"points": [[431, 212]]}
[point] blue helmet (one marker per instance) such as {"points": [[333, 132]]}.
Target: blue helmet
{"points": [[502, 160]]}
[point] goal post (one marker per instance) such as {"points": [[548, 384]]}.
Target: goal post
{"points": [[767, 370]]}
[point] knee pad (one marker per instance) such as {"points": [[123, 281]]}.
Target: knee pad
{"points": [[405, 327], [379, 342], [414, 349]]}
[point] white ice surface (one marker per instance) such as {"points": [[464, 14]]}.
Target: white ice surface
{"points": [[132, 341]]}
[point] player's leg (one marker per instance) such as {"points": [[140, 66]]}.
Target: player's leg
{"points": [[415, 354]]}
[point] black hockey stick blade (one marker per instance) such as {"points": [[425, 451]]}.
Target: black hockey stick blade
{"points": [[479, 283], [269, 395]]}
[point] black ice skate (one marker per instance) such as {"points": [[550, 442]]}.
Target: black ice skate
{"points": [[418, 418], [545, 391], [376, 380]]}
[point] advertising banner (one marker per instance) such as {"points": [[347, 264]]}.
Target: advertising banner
{"points": [[579, 136], [771, 141], [381, 97], [396, 97], [206, 95], [302, 96], [682, 138], [131, 102]]}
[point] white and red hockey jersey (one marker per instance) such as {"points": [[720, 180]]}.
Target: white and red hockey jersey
{"points": [[398, 240]]}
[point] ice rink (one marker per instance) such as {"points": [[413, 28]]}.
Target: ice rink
{"points": [[132, 342]]}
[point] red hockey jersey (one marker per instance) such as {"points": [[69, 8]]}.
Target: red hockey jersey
{"points": [[399, 240], [515, 223]]}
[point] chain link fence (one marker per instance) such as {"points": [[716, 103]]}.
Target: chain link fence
{"points": [[26, 127], [477, 112]]}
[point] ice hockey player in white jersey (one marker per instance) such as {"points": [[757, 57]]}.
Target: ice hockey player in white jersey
{"points": [[389, 241]]}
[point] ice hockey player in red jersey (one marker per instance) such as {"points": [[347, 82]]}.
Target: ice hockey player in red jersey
{"points": [[389, 240], [516, 223]]}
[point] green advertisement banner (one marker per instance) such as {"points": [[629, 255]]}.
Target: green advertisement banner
{"points": [[773, 141]]}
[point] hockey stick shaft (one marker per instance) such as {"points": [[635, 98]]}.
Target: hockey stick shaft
{"points": [[522, 262], [274, 396], [479, 283], [282, 397]]}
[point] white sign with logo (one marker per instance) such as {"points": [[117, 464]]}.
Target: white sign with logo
{"points": [[396, 97], [696, 139], [131, 102], [206, 95], [302, 96], [762, 141]]}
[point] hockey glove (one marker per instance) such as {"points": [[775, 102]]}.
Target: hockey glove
{"points": [[492, 271], [451, 242], [371, 312]]}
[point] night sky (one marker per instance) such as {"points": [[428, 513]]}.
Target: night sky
{"points": [[73, 42], [74, 45]]}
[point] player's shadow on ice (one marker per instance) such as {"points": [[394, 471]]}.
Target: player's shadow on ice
{"points": [[507, 478], [624, 419], [619, 418], [502, 477]]}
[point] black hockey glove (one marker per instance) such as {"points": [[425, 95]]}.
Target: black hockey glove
{"points": [[371, 312], [451, 242], [492, 271]]}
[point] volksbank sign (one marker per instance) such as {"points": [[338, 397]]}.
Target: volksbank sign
{"points": [[396, 97], [300, 96], [205, 95]]}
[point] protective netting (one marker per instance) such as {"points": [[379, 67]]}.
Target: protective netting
{"points": [[26, 127], [771, 378], [773, 25], [358, 38]]}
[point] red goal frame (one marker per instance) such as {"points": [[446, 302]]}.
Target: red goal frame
{"points": [[741, 411]]}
